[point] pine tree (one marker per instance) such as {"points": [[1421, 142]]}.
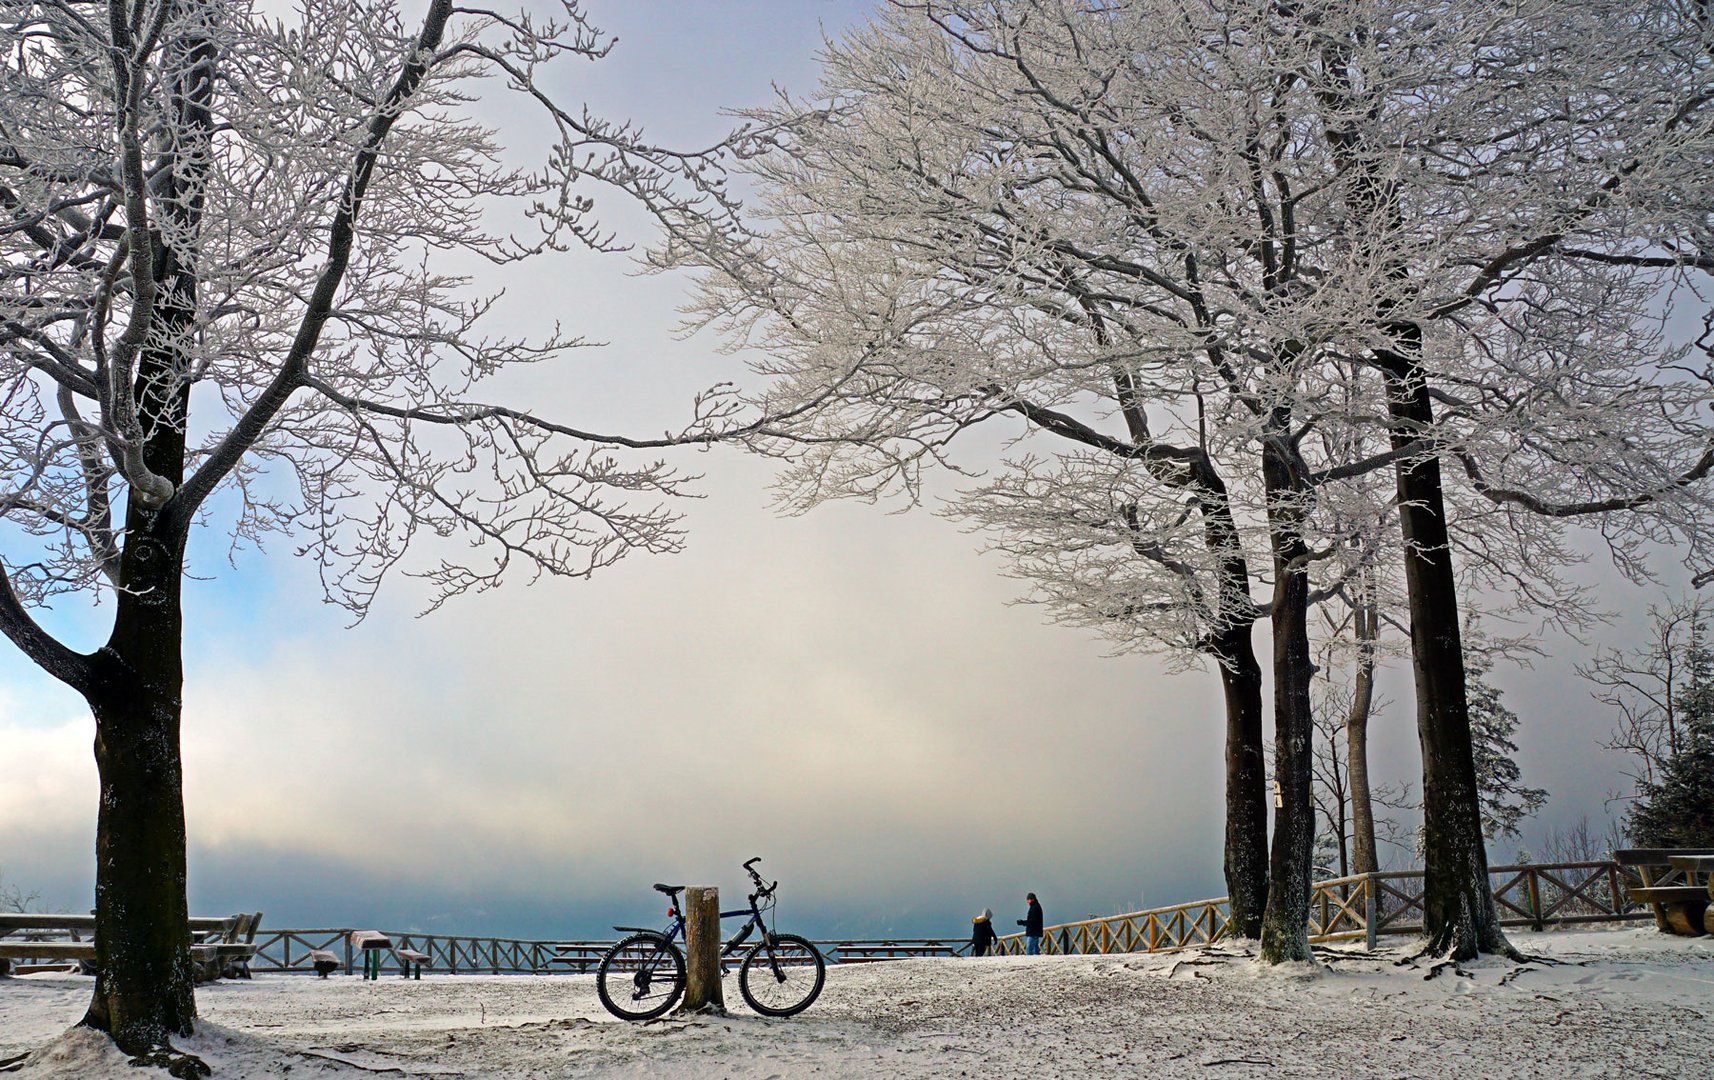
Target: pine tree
{"points": [[1677, 810], [1505, 801]]}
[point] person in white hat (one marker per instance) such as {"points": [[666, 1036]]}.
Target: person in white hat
{"points": [[982, 936]]}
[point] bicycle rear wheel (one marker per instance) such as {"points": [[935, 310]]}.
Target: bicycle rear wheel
{"points": [[782, 975], [640, 977]]}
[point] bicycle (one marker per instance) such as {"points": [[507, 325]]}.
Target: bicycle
{"points": [[643, 975]]}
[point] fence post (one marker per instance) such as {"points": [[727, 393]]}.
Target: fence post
{"points": [[347, 935], [702, 991], [1535, 900], [1371, 912]]}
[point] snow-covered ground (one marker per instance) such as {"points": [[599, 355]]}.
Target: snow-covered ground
{"points": [[1613, 1003]]}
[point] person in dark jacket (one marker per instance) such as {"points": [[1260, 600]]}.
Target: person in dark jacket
{"points": [[982, 936], [1031, 922]]}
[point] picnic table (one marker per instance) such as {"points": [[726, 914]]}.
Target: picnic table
{"points": [[580, 958], [373, 943], [1676, 883], [219, 944], [1695, 866], [869, 952]]}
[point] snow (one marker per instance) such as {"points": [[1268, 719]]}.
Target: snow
{"points": [[1633, 1003]]}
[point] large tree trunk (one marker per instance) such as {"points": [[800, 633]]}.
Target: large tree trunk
{"points": [[1459, 919], [1246, 861], [1285, 925], [143, 984], [1232, 644], [144, 980], [1363, 857]]}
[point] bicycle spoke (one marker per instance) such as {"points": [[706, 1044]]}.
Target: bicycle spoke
{"points": [[782, 978], [640, 977]]}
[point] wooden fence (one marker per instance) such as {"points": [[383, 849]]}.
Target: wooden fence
{"points": [[1364, 906], [1539, 896], [288, 951]]}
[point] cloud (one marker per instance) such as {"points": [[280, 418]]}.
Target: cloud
{"points": [[845, 694]]}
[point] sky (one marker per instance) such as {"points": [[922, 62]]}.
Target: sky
{"points": [[851, 694]]}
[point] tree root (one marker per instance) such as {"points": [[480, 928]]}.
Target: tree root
{"points": [[12, 1064], [176, 1062], [353, 1064], [1442, 965]]}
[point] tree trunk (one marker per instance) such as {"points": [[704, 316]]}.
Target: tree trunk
{"points": [[1363, 856], [1246, 783], [702, 990], [1285, 924], [143, 985], [1342, 825], [144, 980], [1459, 919], [1232, 644]]}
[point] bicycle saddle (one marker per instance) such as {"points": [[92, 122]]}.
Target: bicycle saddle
{"points": [[670, 890]]}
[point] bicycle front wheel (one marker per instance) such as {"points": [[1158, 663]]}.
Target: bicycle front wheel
{"points": [[641, 977], [782, 975]]}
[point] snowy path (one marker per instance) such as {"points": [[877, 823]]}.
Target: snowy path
{"points": [[1625, 1002]]}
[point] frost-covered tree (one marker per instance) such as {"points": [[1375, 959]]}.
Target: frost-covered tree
{"points": [[1659, 689], [1508, 303], [1228, 230], [1663, 694], [14, 898], [1348, 659], [234, 293], [951, 294], [1580, 842]]}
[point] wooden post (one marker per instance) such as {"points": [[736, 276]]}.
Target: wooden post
{"points": [[1371, 912], [702, 993]]}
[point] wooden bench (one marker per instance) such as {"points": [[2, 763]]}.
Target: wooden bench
{"points": [[324, 962], [1698, 866], [219, 946], [869, 952], [1675, 884], [411, 960]]}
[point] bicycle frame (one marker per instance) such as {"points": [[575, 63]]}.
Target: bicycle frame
{"points": [[675, 929], [752, 922]]}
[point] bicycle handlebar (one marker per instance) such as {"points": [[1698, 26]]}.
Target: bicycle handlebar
{"points": [[762, 889]]}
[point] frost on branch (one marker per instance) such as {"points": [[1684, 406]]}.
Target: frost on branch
{"points": [[265, 237]]}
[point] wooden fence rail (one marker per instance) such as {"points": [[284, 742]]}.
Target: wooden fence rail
{"points": [[1537, 895], [288, 950], [1363, 906]]}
